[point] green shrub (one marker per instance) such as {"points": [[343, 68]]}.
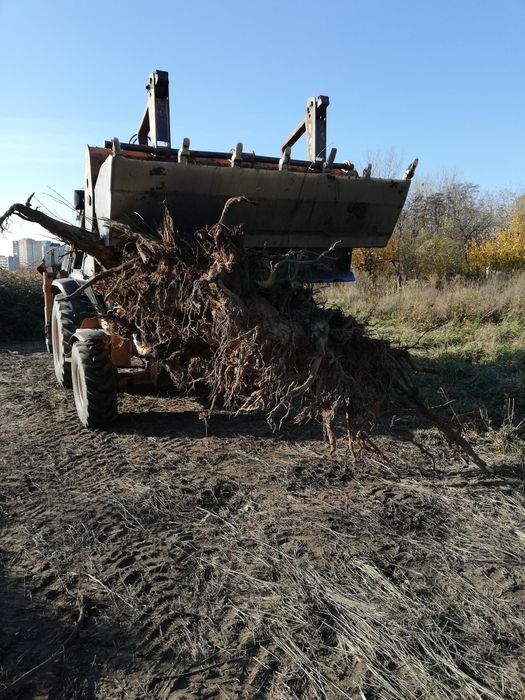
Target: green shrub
{"points": [[21, 306]]}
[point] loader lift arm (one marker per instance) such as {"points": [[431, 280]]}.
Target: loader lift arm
{"points": [[314, 126], [155, 121]]}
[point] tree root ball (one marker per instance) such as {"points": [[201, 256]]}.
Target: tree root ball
{"points": [[233, 321]]}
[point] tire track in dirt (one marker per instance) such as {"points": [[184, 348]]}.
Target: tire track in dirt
{"points": [[93, 511], [198, 557]]}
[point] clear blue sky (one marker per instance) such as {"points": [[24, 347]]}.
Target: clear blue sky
{"points": [[443, 81]]}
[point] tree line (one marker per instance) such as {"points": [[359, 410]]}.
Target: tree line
{"points": [[451, 229]]}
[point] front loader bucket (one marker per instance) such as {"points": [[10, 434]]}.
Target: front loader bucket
{"points": [[295, 207]]}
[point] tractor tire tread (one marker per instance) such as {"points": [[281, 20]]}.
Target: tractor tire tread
{"points": [[99, 406]]}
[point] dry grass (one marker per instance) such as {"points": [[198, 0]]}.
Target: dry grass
{"points": [[426, 304], [406, 592], [252, 566], [345, 621], [471, 333]]}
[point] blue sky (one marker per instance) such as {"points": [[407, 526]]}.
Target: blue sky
{"points": [[443, 81]]}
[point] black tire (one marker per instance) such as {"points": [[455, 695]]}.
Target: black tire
{"points": [[94, 384], [63, 325]]}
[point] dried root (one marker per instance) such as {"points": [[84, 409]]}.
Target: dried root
{"points": [[233, 321], [217, 317]]}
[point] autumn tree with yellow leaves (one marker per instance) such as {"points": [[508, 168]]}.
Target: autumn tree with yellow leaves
{"points": [[448, 230], [505, 251]]}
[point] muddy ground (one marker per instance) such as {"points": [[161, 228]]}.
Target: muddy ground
{"points": [[158, 561]]}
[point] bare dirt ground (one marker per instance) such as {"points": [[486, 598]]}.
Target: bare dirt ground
{"points": [[155, 561]]}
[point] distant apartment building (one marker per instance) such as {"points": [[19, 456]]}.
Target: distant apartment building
{"points": [[28, 252], [7, 262], [16, 254]]}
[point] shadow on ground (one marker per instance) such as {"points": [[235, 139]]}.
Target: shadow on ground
{"points": [[191, 424], [47, 654], [22, 347], [475, 386]]}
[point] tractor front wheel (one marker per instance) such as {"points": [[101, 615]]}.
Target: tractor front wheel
{"points": [[63, 325], [94, 384]]}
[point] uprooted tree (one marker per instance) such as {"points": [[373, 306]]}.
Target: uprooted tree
{"points": [[218, 316]]}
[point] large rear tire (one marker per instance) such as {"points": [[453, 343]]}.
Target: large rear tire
{"points": [[94, 384], [63, 325]]}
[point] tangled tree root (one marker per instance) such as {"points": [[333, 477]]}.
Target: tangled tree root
{"points": [[221, 317], [217, 317]]}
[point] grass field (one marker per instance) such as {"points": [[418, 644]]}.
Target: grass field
{"points": [[472, 334]]}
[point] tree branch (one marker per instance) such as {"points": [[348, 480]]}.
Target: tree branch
{"points": [[87, 241], [272, 279]]}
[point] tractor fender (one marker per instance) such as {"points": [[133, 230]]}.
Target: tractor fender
{"points": [[80, 304], [64, 286], [83, 334]]}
